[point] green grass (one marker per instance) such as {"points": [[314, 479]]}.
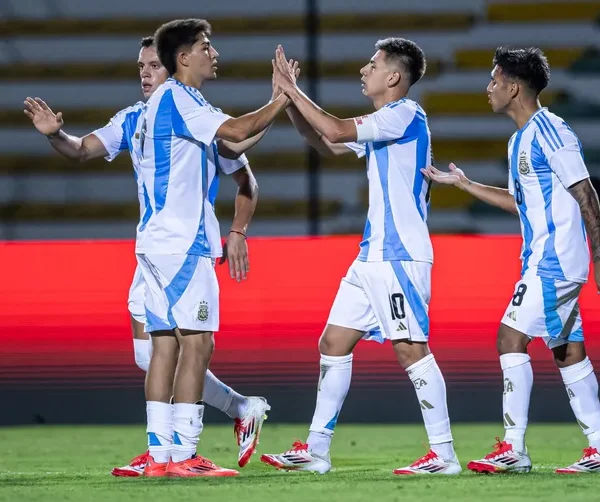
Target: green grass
{"points": [[49, 463]]}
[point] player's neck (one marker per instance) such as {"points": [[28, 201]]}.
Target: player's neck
{"points": [[189, 80], [523, 111], [391, 97]]}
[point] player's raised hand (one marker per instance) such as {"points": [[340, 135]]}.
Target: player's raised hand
{"points": [[43, 118], [284, 75], [454, 177], [276, 89], [237, 255]]}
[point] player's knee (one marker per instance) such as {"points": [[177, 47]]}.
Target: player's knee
{"points": [[329, 346], [409, 353], [511, 341], [569, 354]]}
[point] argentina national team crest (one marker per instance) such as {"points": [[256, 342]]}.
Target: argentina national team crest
{"points": [[523, 164], [203, 311]]}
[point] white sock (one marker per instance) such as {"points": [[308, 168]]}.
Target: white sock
{"points": [[187, 426], [582, 387], [430, 387], [143, 351], [518, 381], [223, 397], [334, 382], [160, 430]]}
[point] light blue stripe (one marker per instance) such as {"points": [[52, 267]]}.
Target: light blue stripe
{"points": [[393, 248], [576, 336], [153, 439], [546, 134], [375, 335], [155, 323], [418, 129], [549, 263], [551, 127], [527, 229], [214, 185], [331, 424], [412, 297], [201, 246], [177, 439], [365, 243], [148, 211], [180, 281], [163, 128], [553, 323]]}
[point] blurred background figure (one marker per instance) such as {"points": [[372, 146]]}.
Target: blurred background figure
{"points": [[79, 55]]}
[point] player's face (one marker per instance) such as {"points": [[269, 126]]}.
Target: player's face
{"points": [[498, 91], [152, 72], [203, 59], [376, 75]]}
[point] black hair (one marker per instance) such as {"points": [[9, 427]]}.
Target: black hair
{"points": [[529, 66], [407, 53], [147, 42], [174, 35]]}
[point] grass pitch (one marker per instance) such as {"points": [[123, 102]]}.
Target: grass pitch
{"points": [[65, 463]]}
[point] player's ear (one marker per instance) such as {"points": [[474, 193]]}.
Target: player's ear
{"points": [[513, 88], [394, 78], [182, 59]]}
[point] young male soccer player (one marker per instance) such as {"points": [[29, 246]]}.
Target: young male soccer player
{"points": [[178, 241], [109, 141], [549, 188], [386, 291]]}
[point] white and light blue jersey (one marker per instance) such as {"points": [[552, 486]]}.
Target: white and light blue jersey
{"points": [[545, 159], [397, 143], [192, 219], [117, 136]]}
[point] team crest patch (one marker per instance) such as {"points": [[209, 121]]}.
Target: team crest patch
{"points": [[203, 311], [523, 164]]}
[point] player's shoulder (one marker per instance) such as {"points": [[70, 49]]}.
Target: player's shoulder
{"points": [[404, 109], [552, 132], [134, 109]]}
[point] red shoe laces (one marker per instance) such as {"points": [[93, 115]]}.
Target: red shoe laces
{"points": [[499, 447], [430, 455], [299, 446]]}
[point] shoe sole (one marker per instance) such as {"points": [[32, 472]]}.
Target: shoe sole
{"points": [[125, 473], [266, 459], [208, 474], [482, 468]]}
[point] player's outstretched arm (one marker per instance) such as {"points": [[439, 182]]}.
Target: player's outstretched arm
{"points": [[246, 126], [50, 125], [334, 129], [499, 197], [245, 205], [313, 137], [584, 193]]}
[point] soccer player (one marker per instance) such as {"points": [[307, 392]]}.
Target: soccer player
{"points": [[386, 292], [247, 412], [179, 239], [549, 188]]}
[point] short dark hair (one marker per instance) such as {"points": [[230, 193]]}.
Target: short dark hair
{"points": [[174, 35], [147, 42], [407, 53], [529, 66]]}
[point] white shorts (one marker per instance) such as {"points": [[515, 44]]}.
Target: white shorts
{"points": [[385, 299], [181, 292], [135, 302], [546, 308]]}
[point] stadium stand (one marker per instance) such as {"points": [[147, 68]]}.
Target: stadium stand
{"points": [[80, 57]]}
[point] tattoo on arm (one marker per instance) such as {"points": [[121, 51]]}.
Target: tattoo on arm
{"points": [[587, 198]]}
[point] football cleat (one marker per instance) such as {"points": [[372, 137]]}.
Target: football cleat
{"points": [[155, 469], [299, 458], [431, 464], [195, 467], [589, 462], [247, 428], [502, 459], [134, 469]]}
